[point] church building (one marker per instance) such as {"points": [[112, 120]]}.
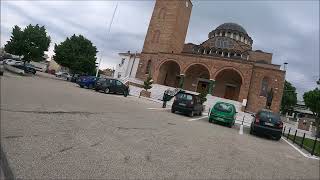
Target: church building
{"points": [[224, 65]]}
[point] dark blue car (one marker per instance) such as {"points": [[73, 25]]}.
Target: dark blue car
{"points": [[87, 81]]}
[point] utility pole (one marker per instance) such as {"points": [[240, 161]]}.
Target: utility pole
{"points": [[109, 29]]}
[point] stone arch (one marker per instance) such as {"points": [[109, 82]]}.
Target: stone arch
{"points": [[169, 73], [228, 83], [197, 76]]}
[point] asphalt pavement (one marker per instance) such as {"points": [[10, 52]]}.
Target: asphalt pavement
{"points": [[54, 129]]}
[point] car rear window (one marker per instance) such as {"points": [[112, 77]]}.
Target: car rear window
{"points": [[269, 115], [184, 96], [101, 80], [223, 107]]}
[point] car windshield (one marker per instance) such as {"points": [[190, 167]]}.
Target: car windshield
{"points": [[269, 115], [223, 107], [184, 96]]}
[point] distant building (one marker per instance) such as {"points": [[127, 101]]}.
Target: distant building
{"points": [[53, 66], [108, 72], [127, 68], [302, 114]]}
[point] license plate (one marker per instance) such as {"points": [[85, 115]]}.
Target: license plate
{"points": [[268, 124], [182, 104], [220, 119]]}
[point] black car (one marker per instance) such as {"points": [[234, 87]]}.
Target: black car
{"points": [[28, 68], [268, 123], [188, 103], [111, 86]]}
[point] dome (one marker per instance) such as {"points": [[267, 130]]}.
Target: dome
{"points": [[232, 26]]}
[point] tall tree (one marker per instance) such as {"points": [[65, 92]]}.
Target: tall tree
{"points": [[289, 98], [30, 42], [312, 101], [76, 53]]}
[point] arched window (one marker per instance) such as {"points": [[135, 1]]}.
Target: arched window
{"points": [[156, 36], [162, 13], [148, 67], [264, 87]]}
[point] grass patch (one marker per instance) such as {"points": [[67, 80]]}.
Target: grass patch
{"points": [[307, 143]]}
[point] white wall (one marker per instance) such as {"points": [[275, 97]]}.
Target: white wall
{"points": [[124, 69]]}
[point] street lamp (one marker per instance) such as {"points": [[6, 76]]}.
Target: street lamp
{"points": [[285, 66]]}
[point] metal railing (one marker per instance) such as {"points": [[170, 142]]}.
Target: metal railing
{"points": [[309, 143]]}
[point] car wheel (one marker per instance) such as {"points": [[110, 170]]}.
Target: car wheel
{"points": [[172, 110], [81, 86], [90, 86], [278, 138], [191, 114], [251, 131], [125, 93], [1, 73], [107, 90], [230, 125], [200, 113]]}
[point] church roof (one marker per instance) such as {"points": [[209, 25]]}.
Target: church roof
{"points": [[232, 26]]}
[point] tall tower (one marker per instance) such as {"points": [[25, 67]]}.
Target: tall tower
{"points": [[168, 26]]}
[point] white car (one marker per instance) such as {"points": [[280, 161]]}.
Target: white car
{"points": [[1, 68], [13, 62], [63, 75]]}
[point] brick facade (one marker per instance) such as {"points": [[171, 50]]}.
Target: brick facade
{"points": [[168, 26], [238, 73]]}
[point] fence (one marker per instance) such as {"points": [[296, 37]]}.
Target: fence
{"points": [[308, 143]]}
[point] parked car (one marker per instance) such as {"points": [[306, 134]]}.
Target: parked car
{"points": [[223, 112], [1, 68], [188, 103], [13, 62], [109, 85], [28, 68], [268, 123], [75, 78], [87, 81], [64, 75]]}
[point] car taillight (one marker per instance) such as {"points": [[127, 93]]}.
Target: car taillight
{"points": [[257, 120]]}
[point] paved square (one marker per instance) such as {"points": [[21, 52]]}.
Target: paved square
{"points": [[54, 129]]}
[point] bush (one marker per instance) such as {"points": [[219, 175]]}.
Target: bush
{"points": [[147, 83], [203, 97]]}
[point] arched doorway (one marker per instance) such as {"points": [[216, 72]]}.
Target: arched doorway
{"points": [[169, 74], [228, 84], [197, 78]]}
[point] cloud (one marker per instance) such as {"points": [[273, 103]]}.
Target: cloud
{"points": [[288, 29]]}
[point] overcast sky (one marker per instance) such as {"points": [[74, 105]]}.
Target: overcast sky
{"points": [[288, 29]]}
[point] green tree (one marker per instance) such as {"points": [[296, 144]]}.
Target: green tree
{"points": [[76, 53], [289, 98], [312, 101], [203, 96], [29, 43], [147, 83]]}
